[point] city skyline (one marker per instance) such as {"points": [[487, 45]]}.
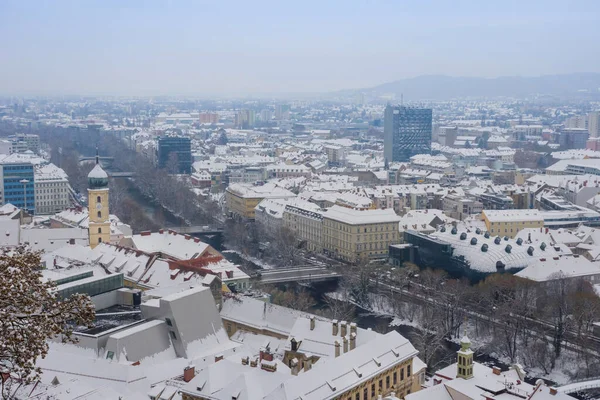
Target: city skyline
{"points": [[193, 48]]}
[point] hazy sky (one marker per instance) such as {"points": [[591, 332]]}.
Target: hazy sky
{"points": [[241, 47]]}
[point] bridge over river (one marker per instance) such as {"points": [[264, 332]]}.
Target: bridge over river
{"points": [[301, 273], [580, 385]]}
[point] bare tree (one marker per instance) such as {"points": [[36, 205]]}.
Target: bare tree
{"points": [[31, 312]]}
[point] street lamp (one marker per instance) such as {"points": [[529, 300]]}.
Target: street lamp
{"points": [[24, 182]]}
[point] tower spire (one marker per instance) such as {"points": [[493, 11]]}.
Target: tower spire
{"points": [[97, 156]]}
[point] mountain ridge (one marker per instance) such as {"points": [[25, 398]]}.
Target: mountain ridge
{"points": [[439, 87]]}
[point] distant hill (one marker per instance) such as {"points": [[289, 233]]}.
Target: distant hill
{"points": [[439, 87]]}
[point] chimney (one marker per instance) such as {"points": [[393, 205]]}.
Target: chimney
{"points": [[353, 327], [337, 348], [344, 327], [188, 373], [496, 370], [307, 364], [145, 233], [312, 323], [345, 339], [294, 365], [266, 355], [553, 391], [352, 341], [335, 327], [218, 357], [161, 231]]}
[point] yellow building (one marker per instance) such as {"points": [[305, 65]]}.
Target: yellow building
{"points": [[354, 234], [510, 222], [99, 219], [242, 198]]}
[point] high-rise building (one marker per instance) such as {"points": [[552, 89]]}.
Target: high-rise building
{"points": [[99, 217], [18, 184], [576, 122], [594, 124], [407, 132], [208, 118], [282, 112], [175, 153], [245, 119]]}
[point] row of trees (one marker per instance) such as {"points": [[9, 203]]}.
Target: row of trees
{"points": [[168, 191], [518, 319]]}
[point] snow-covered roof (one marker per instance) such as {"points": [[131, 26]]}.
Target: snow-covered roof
{"points": [[335, 376], [360, 217], [180, 247], [544, 269], [97, 172]]}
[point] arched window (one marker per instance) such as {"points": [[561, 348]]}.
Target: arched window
{"points": [[99, 240], [99, 214], [99, 199], [99, 230]]}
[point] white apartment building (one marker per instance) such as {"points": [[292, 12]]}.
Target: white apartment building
{"points": [[52, 189], [269, 214], [306, 220]]}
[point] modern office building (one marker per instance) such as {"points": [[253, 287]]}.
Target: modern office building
{"points": [[23, 142], [407, 132], [18, 185], [175, 149]]}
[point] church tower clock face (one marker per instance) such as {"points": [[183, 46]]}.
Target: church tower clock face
{"points": [[98, 206]]}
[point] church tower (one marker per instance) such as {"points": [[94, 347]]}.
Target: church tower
{"points": [[99, 223], [465, 359]]}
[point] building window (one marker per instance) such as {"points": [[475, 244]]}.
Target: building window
{"points": [[401, 374], [395, 377], [99, 240], [168, 321], [99, 230], [110, 355], [365, 394], [408, 370], [387, 382], [99, 214], [98, 199], [173, 335], [357, 396], [372, 390]]}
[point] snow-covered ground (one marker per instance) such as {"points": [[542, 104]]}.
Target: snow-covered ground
{"points": [[254, 260]]}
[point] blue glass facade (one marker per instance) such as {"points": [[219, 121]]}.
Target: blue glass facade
{"points": [[14, 191], [407, 132], [177, 148]]}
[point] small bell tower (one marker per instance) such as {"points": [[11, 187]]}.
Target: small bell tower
{"points": [[99, 223], [465, 359]]}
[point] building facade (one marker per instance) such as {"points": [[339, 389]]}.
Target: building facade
{"points": [[52, 189], [407, 132], [242, 199], [175, 149], [510, 222], [23, 142], [18, 185], [351, 235], [306, 220]]}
